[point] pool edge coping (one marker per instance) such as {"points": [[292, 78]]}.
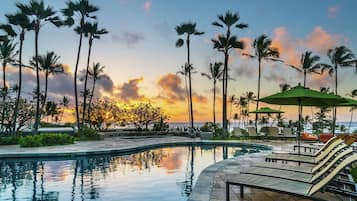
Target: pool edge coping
{"points": [[72, 154]]}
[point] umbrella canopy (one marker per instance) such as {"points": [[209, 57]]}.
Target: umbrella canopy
{"points": [[266, 110], [349, 103], [303, 96]]}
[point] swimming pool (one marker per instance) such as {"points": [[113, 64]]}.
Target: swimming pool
{"points": [[166, 174]]}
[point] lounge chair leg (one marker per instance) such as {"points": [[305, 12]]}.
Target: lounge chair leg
{"points": [[227, 191], [241, 191]]}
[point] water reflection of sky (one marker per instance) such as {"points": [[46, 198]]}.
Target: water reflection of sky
{"points": [[160, 174]]}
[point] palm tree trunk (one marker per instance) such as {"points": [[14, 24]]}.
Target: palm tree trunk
{"points": [[304, 78], [37, 114], [3, 95], [85, 82], [225, 82], [334, 108], [45, 95], [214, 102], [189, 80], [91, 98], [188, 98], [76, 72], [22, 37], [258, 96]]}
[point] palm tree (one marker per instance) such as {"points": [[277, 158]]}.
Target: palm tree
{"points": [[78, 11], [188, 29], [184, 71], [64, 103], [263, 52], [224, 43], [95, 73], [250, 97], [352, 95], [339, 57], [39, 16], [215, 74], [49, 64], [18, 24], [284, 87], [92, 32], [7, 55], [308, 64]]}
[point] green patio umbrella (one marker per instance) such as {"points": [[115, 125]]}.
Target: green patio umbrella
{"points": [[302, 96], [266, 110]]}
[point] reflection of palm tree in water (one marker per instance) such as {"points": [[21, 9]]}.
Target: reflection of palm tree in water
{"points": [[13, 176], [34, 172], [74, 180], [187, 184]]}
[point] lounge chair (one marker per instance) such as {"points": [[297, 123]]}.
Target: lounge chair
{"points": [[237, 132], [309, 176], [312, 159], [288, 132], [273, 131], [296, 188], [307, 169], [252, 131]]}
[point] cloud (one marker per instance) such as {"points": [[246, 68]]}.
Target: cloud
{"points": [[286, 45], [164, 29], [131, 39], [147, 6], [130, 90], [332, 11], [173, 91], [320, 41]]}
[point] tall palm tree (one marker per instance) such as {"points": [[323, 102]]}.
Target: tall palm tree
{"points": [[50, 65], [7, 55], [339, 57], [187, 30], [64, 103], [78, 12], [224, 43], [308, 64], [39, 15], [249, 95], [91, 31], [18, 24], [263, 51], [95, 73], [215, 74], [184, 72]]}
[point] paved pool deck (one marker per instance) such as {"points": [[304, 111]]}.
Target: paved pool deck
{"points": [[210, 185]]}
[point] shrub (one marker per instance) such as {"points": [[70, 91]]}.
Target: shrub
{"points": [[10, 140], [355, 131], [87, 133], [354, 173], [45, 139], [209, 127]]}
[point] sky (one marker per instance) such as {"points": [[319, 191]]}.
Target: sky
{"points": [[141, 59]]}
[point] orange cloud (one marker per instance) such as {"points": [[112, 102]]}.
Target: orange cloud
{"points": [[286, 46], [320, 41]]}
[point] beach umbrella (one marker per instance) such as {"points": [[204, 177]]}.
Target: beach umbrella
{"points": [[302, 96], [266, 110]]}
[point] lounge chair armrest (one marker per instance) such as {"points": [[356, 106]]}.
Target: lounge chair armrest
{"points": [[306, 148]]}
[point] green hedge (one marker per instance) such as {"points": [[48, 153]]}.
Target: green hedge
{"points": [[46, 139], [87, 133], [10, 140]]}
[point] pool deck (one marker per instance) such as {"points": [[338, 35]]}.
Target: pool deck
{"points": [[210, 185]]}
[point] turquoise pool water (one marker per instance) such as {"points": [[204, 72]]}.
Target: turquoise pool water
{"points": [[165, 174]]}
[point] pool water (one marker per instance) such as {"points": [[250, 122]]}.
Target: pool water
{"points": [[165, 174]]}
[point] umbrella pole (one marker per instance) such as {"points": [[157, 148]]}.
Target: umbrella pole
{"points": [[299, 127]]}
